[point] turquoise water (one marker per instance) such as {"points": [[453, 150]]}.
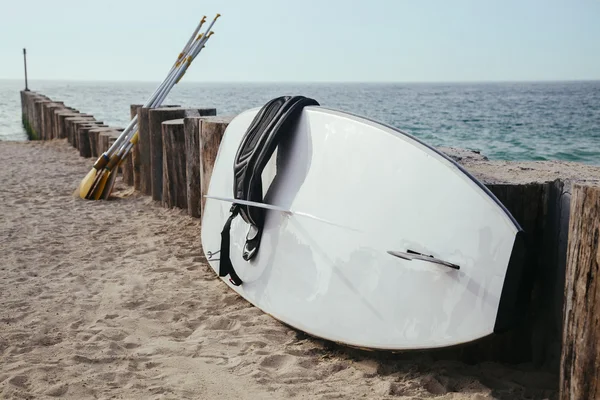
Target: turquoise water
{"points": [[509, 121]]}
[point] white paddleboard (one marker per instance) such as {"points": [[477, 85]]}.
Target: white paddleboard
{"points": [[372, 238]]}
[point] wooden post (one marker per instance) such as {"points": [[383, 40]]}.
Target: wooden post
{"points": [[48, 111], [55, 134], [105, 138], [144, 150], [100, 143], [156, 117], [57, 127], [49, 120], [135, 152], [32, 113], [25, 64], [70, 128], [211, 133], [85, 141], [145, 176], [580, 361], [103, 141], [38, 118], [191, 128], [64, 129], [174, 191], [94, 133], [128, 163]]}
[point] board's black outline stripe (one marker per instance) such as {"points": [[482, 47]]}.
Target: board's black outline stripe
{"points": [[408, 135]]}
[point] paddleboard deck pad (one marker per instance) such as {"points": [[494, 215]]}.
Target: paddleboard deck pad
{"points": [[357, 232]]}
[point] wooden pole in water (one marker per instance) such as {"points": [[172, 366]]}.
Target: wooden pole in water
{"points": [[580, 363], [25, 62]]}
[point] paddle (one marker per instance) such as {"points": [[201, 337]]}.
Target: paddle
{"points": [[104, 181], [95, 177]]}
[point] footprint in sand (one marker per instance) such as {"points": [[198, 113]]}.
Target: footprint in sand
{"points": [[222, 324], [160, 307], [19, 381], [75, 325], [165, 269], [57, 390], [151, 365], [251, 345], [277, 361], [130, 305]]}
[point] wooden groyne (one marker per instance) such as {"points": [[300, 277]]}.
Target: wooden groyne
{"points": [[559, 210]]}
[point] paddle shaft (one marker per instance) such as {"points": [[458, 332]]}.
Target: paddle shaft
{"points": [[170, 82], [159, 90], [177, 71]]}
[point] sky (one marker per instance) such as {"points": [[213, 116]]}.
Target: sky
{"points": [[309, 40]]}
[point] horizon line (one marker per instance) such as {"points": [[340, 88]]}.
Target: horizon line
{"points": [[311, 82]]}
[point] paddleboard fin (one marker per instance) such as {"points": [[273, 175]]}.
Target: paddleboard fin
{"points": [[274, 119], [413, 255]]}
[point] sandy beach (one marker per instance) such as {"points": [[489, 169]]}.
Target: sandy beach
{"points": [[113, 299]]}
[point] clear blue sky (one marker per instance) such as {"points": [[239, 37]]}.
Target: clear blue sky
{"points": [[309, 40]]}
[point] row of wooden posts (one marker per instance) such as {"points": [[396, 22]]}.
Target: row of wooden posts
{"points": [[172, 161], [561, 332]]}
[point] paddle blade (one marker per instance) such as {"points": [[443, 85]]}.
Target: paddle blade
{"points": [[86, 183], [109, 184], [99, 188]]}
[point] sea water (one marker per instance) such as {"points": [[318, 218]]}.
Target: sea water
{"points": [[504, 121]]}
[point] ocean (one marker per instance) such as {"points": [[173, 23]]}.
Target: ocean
{"points": [[504, 121]]}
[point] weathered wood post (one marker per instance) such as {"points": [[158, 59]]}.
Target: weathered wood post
{"points": [[94, 133], [135, 152], [64, 129], [32, 113], [211, 133], [38, 118], [85, 140], [57, 127], [82, 139], [128, 163], [144, 150], [54, 114], [191, 129], [106, 138], [156, 117], [145, 177], [48, 111], [68, 124], [25, 65], [174, 191], [38, 114], [580, 361]]}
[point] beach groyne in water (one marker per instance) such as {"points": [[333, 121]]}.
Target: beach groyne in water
{"points": [[173, 161]]}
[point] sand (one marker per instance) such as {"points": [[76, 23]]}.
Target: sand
{"points": [[113, 299]]}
